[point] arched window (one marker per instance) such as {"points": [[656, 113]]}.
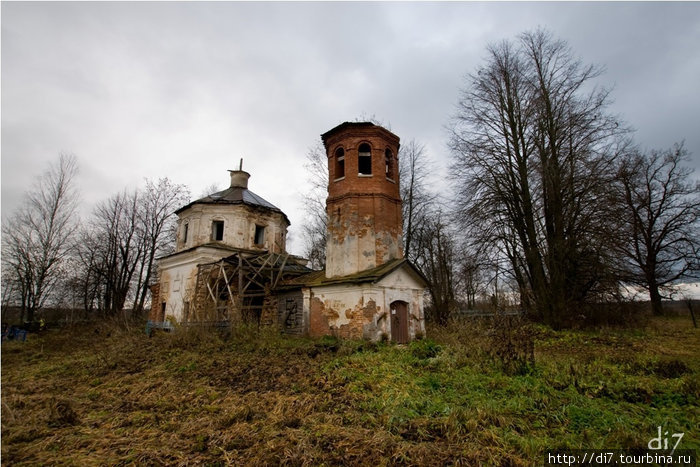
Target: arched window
{"points": [[389, 163], [364, 159], [339, 163]]}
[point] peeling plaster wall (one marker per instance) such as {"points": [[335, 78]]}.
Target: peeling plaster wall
{"points": [[239, 227], [363, 232], [361, 311], [178, 278], [176, 287], [178, 274]]}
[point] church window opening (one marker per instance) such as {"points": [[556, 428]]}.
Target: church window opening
{"points": [[339, 163], [389, 162], [364, 159], [217, 231], [259, 234]]}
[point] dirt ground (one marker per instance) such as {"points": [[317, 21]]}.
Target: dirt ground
{"points": [[106, 395]]}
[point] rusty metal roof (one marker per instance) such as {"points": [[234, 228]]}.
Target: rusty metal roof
{"points": [[236, 195]]}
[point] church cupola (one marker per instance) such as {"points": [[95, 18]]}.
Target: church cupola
{"points": [[364, 202]]}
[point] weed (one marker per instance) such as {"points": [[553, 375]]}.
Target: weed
{"points": [[673, 368], [255, 398], [201, 443], [61, 413], [512, 344], [424, 349], [328, 344]]}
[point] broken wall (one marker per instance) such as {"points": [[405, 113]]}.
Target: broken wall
{"points": [[239, 227], [362, 311], [363, 232], [290, 312]]}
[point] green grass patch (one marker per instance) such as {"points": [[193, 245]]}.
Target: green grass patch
{"points": [[259, 398]]}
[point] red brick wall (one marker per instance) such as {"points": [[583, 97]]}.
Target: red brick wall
{"points": [[318, 322], [377, 216], [322, 318], [360, 205], [350, 139]]}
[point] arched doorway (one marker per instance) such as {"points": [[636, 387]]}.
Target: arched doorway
{"points": [[399, 322]]}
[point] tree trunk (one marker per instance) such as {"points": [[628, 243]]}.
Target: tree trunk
{"points": [[689, 302], [655, 298]]}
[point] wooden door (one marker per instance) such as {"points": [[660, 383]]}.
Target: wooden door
{"points": [[399, 322]]}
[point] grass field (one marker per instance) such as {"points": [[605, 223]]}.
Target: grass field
{"points": [[105, 395]]}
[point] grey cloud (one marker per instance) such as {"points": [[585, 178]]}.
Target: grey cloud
{"points": [[184, 89]]}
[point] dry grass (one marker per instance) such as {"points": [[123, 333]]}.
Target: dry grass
{"points": [[105, 396]]}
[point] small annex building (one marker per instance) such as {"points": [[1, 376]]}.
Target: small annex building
{"points": [[231, 263]]}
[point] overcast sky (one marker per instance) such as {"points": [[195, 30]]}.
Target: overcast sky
{"points": [[184, 90]]}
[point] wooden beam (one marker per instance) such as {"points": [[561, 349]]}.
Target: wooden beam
{"points": [[228, 287], [281, 270], [210, 292]]}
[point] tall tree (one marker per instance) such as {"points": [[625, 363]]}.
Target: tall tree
{"points": [[156, 214], [37, 239], [435, 252], [417, 200], [120, 237], [314, 228], [534, 155], [116, 254], [662, 221], [87, 279]]}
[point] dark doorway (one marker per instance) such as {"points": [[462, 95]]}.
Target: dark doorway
{"points": [[399, 322]]}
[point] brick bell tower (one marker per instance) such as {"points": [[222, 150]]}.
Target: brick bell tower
{"points": [[364, 205]]}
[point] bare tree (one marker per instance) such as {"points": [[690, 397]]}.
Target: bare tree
{"points": [[37, 239], [471, 272], [156, 214], [314, 228], [435, 257], [118, 248], [429, 239], [662, 220], [87, 280], [417, 200], [213, 187], [534, 155], [120, 238]]}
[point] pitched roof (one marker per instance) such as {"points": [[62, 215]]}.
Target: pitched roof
{"points": [[318, 278], [236, 195]]}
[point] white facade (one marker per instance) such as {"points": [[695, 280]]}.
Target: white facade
{"points": [[178, 277], [196, 226], [208, 230], [366, 309]]}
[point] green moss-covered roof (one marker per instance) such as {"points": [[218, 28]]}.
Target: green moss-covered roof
{"points": [[318, 278]]}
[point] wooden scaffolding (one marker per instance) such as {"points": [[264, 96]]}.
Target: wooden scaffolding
{"points": [[241, 288]]}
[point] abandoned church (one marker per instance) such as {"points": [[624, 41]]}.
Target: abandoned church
{"points": [[230, 264]]}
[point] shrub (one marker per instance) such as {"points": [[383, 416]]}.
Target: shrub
{"points": [[424, 349], [511, 343], [670, 368]]}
